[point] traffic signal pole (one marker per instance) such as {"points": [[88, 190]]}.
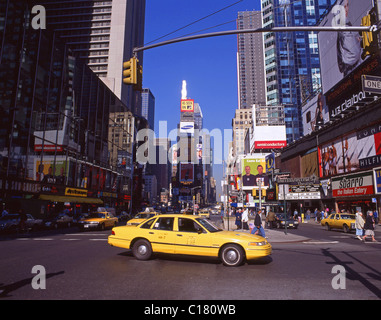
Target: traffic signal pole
{"points": [[372, 28]]}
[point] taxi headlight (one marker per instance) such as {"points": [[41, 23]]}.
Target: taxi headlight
{"points": [[261, 243]]}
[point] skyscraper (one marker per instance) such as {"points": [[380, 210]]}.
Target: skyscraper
{"points": [[292, 65], [251, 77], [103, 33], [148, 107]]}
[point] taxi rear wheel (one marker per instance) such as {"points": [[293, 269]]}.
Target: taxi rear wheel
{"points": [[142, 250], [232, 255]]}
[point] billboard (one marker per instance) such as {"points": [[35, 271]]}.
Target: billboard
{"points": [[187, 105], [314, 113], [341, 52], [353, 185], [253, 170], [270, 137], [352, 152], [187, 127], [186, 172]]}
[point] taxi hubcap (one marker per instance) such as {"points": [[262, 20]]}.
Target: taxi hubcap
{"points": [[142, 250], [231, 255]]}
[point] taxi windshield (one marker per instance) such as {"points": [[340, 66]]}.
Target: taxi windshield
{"points": [[100, 215], [211, 227]]}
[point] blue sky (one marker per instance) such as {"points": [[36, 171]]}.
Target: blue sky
{"points": [[208, 65]]}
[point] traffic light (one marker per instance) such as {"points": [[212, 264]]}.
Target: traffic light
{"points": [[263, 193], [255, 193], [369, 42], [130, 71], [139, 79]]}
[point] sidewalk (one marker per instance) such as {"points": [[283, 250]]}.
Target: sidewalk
{"points": [[272, 235]]}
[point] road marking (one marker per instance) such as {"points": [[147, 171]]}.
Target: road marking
{"points": [[42, 239], [70, 239], [98, 239], [321, 242]]}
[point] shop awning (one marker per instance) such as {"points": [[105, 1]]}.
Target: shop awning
{"points": [[55, 198]]}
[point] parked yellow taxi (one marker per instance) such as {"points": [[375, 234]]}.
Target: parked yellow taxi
{"points": [[98, 220], [189, 235], [344, 221]]}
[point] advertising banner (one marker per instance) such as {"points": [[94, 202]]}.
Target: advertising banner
{"points": [[351, 152], [377, 180], [341, 52], [187, 105], [359, 184], [186, 172], [252, 170]]}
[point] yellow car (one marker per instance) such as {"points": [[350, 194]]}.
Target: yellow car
{"points": [[204, 213], [344, 221], [98, 220], [189, 235], [140, 217]]}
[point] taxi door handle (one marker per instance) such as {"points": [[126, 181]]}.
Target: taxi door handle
{"points": [[151, 232], [179, 235]]}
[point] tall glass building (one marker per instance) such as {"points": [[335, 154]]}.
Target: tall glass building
{"points": [[55, 143], [292, 66]]}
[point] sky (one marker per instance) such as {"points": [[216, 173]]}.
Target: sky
{"points": [[209, 65]]}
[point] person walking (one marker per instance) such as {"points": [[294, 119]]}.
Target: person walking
{"points": [[369, 226], [359, 225], [245, 219], [271, 219], [258, 228], [238, 219]]}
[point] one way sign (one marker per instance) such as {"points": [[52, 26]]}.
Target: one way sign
{"points": [[371, 84]]}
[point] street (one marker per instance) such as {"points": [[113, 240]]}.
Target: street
{"points": [[81, 266]]}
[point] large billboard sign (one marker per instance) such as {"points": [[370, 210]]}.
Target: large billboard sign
{"points": [[353, 185], [186, 172], [253, 170], [351, 152], [341, 52], [187, 105]]}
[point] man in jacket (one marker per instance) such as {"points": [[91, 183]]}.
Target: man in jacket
{"points": [[258, 225]]}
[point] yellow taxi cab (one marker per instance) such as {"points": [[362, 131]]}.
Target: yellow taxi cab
{"points": [[142, 216], [204, 213], [344, 221], [189, 235], [98, 220]]}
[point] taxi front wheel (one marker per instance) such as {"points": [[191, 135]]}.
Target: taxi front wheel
{"points": [[232, 255], [142, 250]]}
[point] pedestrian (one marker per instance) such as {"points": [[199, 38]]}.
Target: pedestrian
{"points": [[271, 219], [238, 219], [359, 225], [245, 219], [375, 214], [369, 226], [258, 229]]}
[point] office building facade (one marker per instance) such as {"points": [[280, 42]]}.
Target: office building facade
{"points": [[103, 34], [291, 59]]}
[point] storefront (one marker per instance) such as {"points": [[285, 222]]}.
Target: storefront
{"points": [[354, 191]]}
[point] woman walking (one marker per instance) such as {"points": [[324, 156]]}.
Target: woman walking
{"points": [[369, 226], [359, 225]]}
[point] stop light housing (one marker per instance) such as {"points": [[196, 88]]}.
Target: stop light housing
{"points": [[139, 78], [130, 71], [369, 38]]}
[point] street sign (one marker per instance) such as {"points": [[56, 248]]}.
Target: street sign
{"points": [[371, 84]]}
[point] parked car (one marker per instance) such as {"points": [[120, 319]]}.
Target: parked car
{"points": [[12, 223], [62, 220], [344, 221], [282, 222], [97, 220], [188, 235]]}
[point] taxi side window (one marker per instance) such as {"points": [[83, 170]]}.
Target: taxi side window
{"points": [[164, 224], [188, 225], [147, 224]]}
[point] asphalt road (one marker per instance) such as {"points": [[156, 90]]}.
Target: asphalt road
{"points": [[82, 266]]}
